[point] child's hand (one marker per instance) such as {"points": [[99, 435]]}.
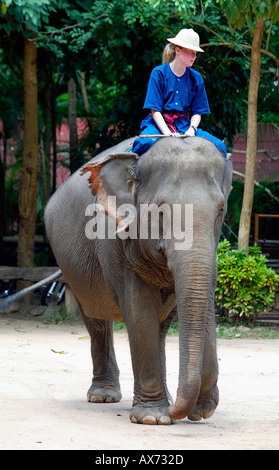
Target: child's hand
{"points": [[190, 133], [175, 134], [172, 134]]}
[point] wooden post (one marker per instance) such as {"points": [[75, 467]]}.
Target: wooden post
{"points": [[256, 236]]}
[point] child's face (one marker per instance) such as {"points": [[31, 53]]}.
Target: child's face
{"points": [[187, 56]]}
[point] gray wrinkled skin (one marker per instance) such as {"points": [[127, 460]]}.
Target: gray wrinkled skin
{"points": [[145, 282]]}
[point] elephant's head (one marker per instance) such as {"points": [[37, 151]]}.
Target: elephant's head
{"points": [[188, 182]]}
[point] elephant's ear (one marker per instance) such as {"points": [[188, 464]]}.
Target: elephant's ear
{"points": [[110, 173], [227, 182], [110, 176]]}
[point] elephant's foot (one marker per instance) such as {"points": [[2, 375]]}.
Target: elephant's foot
{"points": [[205, 406], [151, 413], [103, 394]]}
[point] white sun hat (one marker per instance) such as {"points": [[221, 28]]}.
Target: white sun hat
{"points": [[187, 38]]}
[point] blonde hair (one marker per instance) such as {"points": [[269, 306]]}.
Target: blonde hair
{"points": [[169, 53]]}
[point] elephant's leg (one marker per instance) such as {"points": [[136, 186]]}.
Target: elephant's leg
{"points": [[141, 312], [209, 393], [164, 327], [105, 386]]}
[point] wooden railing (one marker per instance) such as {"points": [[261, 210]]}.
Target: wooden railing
{"points": [[257, 217]]}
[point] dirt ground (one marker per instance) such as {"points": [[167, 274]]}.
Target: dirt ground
{"points": [[46, 370]]}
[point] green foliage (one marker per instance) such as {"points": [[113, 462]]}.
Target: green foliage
{"points": [[11, 99], [24, 14], [117, 44], [245, 285], [245, 12], [119, 326]]}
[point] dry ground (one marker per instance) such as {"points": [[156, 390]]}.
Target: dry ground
{"points": [[46, 370]]}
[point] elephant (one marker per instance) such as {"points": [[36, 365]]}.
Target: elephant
{"points": [[142, 275]]}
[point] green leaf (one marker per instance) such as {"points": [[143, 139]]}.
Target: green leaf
{"points": [[4, 8], [250, 23]]}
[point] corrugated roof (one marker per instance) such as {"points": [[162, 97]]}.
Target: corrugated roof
{"points": [[267, 160]]}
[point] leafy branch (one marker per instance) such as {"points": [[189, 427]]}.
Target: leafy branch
{"points": [[246, 46], [67, 28]]}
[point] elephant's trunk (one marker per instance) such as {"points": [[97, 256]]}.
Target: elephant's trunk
{"points": [[192, 276]]}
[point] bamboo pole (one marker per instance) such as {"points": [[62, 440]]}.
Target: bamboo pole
{"points": [[148, 136]]}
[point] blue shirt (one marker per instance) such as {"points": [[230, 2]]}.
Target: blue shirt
{"points": [[168, 92]]}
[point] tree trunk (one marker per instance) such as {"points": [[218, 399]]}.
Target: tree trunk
{"points": [[251, 152], [2, 208], [46, 143], [72, 117], [84, 92], [28, 176], [54, 140]]}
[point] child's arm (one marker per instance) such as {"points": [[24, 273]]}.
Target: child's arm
{"points": [[161, 124], [195, 121]]}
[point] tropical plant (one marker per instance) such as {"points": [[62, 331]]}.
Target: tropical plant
{"points": [[245, 285]]}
